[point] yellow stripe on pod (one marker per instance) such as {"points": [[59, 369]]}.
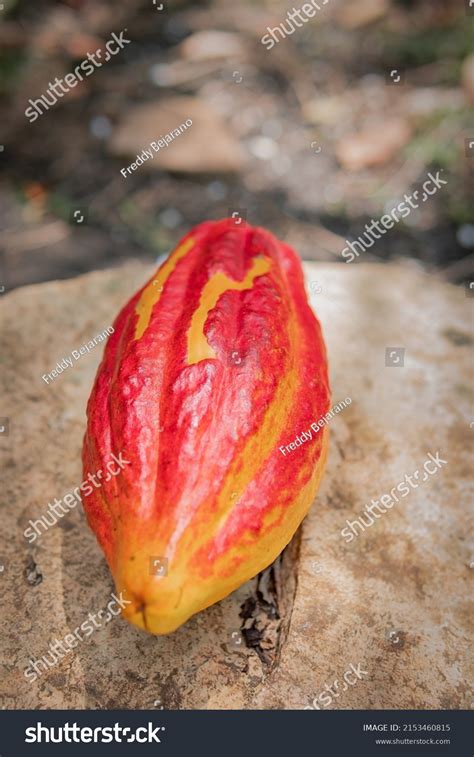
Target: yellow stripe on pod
{"points": [[152, 293], [198, 346]]}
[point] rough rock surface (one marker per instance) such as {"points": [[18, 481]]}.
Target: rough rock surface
{"points": [[394, 600]]}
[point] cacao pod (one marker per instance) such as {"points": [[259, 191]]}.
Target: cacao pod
{"points": [[213, 366]]}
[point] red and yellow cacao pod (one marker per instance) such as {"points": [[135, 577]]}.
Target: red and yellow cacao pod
{"points": [[213, 365]]}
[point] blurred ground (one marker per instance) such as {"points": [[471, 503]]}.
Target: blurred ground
{"points": [[313, 139]]}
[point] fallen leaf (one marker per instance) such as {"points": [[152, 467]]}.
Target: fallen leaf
{"points": [[182, 72], [375, 145], [467, 76], [326, 110], [207, 45], [207, 145]]}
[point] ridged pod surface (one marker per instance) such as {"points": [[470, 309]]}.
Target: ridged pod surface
{"points": [[213, 365]]}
